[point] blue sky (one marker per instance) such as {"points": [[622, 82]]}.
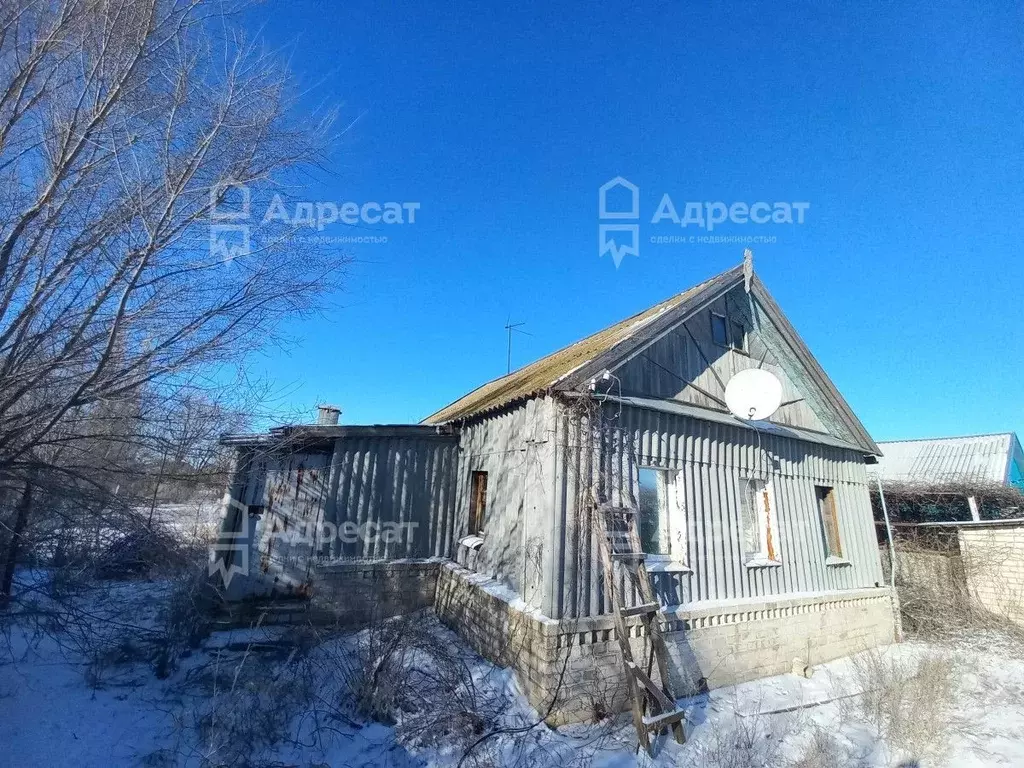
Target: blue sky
{"points": [[900, 124]]}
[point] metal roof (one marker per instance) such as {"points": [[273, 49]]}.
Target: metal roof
{"points": [[971, 459], [327, 433]]}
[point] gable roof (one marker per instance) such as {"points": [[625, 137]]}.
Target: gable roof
{"points": [[556, 368], [970, 459], [571, 368]]}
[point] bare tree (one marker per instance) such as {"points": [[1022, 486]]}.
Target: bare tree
{"points": [[124, 124]]}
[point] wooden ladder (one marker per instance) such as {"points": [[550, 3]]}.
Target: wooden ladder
{"points": [[654, 707]]}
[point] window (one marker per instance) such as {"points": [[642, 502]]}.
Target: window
{"points": [[829, 520], [654, 512], [662, 524], [739, 336], [477, 502], [757, 509], [719, 330]]}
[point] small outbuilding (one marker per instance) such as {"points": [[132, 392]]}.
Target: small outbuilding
{"points": [[950, 479]]}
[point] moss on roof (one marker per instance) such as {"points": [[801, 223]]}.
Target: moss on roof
{"points": [[545, 373]]}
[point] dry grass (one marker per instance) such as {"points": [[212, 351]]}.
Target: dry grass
{"points": [[825, 751], [908, 700], [746, 741], [248, 706]]}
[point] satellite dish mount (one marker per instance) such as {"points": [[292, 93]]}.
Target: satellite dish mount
{"points": [[753, 395]]}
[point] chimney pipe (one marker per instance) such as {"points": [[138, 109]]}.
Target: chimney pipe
{"points": [[327, 415]]}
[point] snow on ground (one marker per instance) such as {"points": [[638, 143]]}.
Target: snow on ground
{"points": [[62, 707], [198, 519]]}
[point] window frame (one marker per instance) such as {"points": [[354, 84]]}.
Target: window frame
{"points": [[765, 518], [477, 502], [663, 511], [725, 330], [672, 521], [825, 495]]}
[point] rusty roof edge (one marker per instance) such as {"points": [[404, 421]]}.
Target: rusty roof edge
{"points": [[462, 417], [649, 334]]}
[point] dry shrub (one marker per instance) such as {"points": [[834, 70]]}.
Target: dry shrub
{"points": [[140, 552], [105, 659], [909, 699], [824, 751], [408, 671], [936, 601], [249, 705], [184, 621], [745, 742], [321, 684]]}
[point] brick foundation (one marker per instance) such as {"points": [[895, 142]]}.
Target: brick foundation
{"points": [[361, 590], [718, 644]]}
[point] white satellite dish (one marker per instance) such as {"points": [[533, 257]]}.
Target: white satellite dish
{"points": [[753, 394]]}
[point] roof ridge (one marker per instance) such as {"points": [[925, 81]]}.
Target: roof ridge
{"points": [[533, 377], [947, 437]]}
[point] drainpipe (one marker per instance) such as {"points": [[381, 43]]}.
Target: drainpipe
{"points": [[975, 512], [888, 532]]}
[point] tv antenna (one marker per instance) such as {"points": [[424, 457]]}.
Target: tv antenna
{"points": [[509, 327]]}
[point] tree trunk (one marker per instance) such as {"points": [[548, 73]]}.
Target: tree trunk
{"points": [[14, 545]]}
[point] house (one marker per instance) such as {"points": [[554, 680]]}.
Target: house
{"points": [[759, 535], [946, 479]]}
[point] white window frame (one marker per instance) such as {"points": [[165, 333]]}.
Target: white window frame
{"points": [[671, 522], [766, 515]]}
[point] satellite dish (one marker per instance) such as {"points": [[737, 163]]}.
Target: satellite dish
{"points": [[753, 394]]}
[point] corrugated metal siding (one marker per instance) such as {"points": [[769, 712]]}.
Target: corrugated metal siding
{"points": [[516, 449], [713, 458], [380, 480], [980, 458]]}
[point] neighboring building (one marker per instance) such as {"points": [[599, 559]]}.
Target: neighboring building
{"points": [[983, 459], [759, 536], [979, 477]]}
